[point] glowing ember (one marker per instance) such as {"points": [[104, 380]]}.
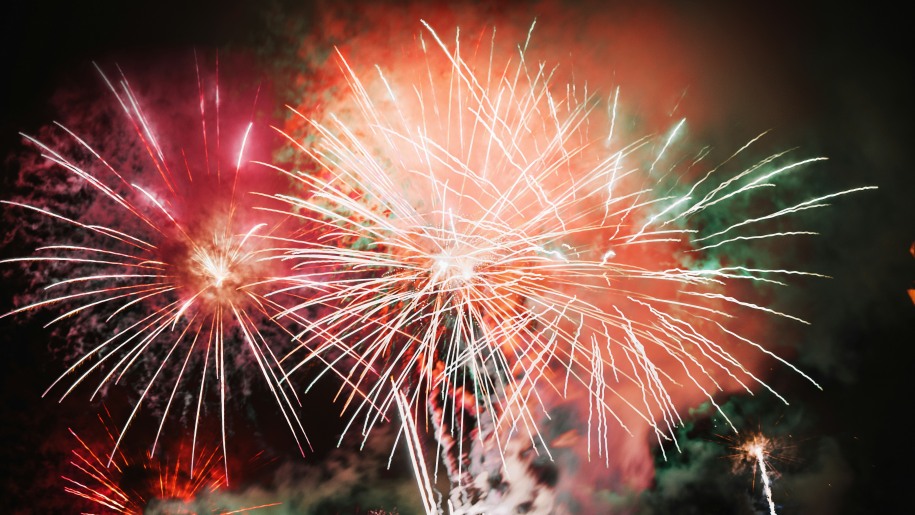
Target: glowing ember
{"points": [[912, 290]]}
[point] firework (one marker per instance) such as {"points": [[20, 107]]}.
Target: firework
{"points": [[118, 484], [912, 290], [493, 240], [758, 451], [165, 263], [98, 481]]}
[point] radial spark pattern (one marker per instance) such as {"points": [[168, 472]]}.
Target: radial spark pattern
{"points": [[128, 486], [166, 262], [493, 237]]}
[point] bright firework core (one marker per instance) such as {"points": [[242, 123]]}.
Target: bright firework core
{"points": [[453, 266], [215, 267], [218, 267], [755, 447]]}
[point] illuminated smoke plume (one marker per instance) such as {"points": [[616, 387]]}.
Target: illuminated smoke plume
{"points": [[358, 479]]}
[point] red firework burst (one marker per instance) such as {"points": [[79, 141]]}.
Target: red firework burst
{"points": [[118, 484]]}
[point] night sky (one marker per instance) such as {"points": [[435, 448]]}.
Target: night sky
{"points": [[832, 80]]}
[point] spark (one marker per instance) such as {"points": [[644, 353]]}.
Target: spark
{"points": [[414, 447], [758, 450]]}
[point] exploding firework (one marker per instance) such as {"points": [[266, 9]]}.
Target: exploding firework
{"points": [[758, 451], [100, 482], [165, 263], [494, 240], [118, 484]]}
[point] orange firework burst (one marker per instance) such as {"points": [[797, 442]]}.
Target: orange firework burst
{"points": [[168, 261], [912, 290], [488, 233]]}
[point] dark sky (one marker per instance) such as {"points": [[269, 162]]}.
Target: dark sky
{"points": [[846, 69]]}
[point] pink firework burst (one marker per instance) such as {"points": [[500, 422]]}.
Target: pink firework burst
{"points": [[166, 263]]}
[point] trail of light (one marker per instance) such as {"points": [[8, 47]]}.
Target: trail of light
{"points": [[251, 508], [758, 453], [757, 450], [414, 446]]}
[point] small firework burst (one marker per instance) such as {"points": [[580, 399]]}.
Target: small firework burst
{"points": [[912, 290], [757, 452], [118, 484], [107, 482]]}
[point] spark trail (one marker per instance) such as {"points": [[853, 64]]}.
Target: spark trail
{"points": [[758, 451], [165, 264]]}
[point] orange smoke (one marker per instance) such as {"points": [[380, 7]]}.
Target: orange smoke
{"points": [[419, 98]]}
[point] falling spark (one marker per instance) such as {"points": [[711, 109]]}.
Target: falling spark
{"points": [[417, 460], [758, 450]]}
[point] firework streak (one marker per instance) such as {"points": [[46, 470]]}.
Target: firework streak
{"points": [[492, 243], [171, 270]]}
